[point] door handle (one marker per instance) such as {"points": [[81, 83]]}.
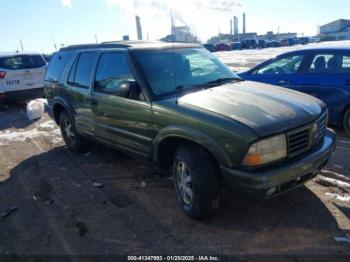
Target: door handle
{"points": [[93, 102], [285, 82]]}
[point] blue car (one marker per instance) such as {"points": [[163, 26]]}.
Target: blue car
{"points": [[320, 72]]}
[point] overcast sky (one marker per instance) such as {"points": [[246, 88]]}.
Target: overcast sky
{"points": [[41, 23]]}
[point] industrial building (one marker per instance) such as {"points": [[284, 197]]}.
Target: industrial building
{"points": [[181, 34], [336, 30]]}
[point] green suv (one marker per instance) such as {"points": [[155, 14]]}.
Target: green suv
{"points": [[178, 105]]}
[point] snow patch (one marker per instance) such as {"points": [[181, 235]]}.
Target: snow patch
{"points": [[21, 136], [333, 181], [344, 198], [48, 124]]}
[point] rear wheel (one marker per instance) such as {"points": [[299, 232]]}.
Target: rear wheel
{"points": [[346, 122], [71, 137], [196, 182]]}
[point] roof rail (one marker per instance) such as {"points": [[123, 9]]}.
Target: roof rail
{"points": [[93, 46]]}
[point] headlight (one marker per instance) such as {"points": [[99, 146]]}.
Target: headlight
{"points": [[266, 151]]}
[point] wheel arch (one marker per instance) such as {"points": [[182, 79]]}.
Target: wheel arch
{"points": [[170, 138], [59, 105]]}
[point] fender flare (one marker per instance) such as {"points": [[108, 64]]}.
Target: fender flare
{"points": [[62, 102], [195, 136]]}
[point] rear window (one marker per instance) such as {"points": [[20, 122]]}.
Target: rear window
{"points": [[56, 66], [19, 62]]}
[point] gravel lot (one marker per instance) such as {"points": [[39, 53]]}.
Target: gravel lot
{"points": [[102, 202]]}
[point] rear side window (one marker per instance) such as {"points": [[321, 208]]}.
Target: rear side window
{"points": [[19, 62], [330, 64], [56, 66], [80, 74], [112, 69]]}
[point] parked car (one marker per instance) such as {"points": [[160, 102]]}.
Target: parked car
{"points": [[320, 72], [236, 46], [223, 47], [178, 105], [304, 40], [21, 76], [209, 47], [284, 42], [262, 44], [250, 44]]}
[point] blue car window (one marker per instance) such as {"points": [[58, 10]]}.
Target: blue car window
{"points": [[285, 65], [330, 64]]}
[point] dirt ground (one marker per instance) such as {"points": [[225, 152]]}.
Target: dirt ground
{"points": [[51, 204]]}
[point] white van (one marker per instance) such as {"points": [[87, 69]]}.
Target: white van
{"points": [[21, 76]]}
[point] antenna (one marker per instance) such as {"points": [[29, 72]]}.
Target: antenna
{"points": [[20, 41], [54, 42], [173, 39]]}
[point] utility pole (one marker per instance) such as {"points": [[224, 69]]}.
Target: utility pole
{"points": [[96, 39]]}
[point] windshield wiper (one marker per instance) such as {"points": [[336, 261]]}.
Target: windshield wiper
{"points": [[224, 80]]}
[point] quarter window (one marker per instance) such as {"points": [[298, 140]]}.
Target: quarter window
{"points": [[80, 74], [286, 65], [112, 70]]}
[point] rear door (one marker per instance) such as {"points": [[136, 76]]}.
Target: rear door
{"points": [[328, 78], [22, 72], [123, 122], [78, 90]]}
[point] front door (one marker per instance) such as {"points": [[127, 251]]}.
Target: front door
{"points": [[122, 122], [282, 71]]}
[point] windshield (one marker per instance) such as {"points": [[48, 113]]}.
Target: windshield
{"points": [[171, 70]]}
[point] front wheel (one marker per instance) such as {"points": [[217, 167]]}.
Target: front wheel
{"points": [[70, 136], [196, 182], [346, 122]]}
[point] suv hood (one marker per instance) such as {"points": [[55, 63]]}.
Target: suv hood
{"points": [[264, 108]]}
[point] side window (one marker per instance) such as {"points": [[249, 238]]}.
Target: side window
{"points": [[80, 74], [330, 64], [56, 66], [285, 65], [320, 63], [112, 70]]}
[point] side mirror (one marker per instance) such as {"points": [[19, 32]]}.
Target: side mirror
{"points": [[128, 89]]}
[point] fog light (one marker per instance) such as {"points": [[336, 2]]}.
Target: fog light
{"points": [[271, 191]]}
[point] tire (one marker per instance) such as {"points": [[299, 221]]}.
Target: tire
{"points": [[196, 182], [346, 122], [70, 136]]}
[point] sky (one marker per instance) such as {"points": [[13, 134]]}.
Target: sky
{"points": [[42, 24]]}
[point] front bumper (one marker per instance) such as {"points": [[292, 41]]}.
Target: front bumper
{"points": [[280, 179]]}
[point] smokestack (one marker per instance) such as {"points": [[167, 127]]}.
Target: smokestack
{"points": [[231, 27], [235, 25], [244, 24], [138, 28]]}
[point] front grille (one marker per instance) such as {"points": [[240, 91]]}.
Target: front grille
{"points": [[322, 125], [298, 141], [304, 138]]}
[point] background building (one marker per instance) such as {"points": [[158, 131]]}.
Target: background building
{"points": [[336, 30]]}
